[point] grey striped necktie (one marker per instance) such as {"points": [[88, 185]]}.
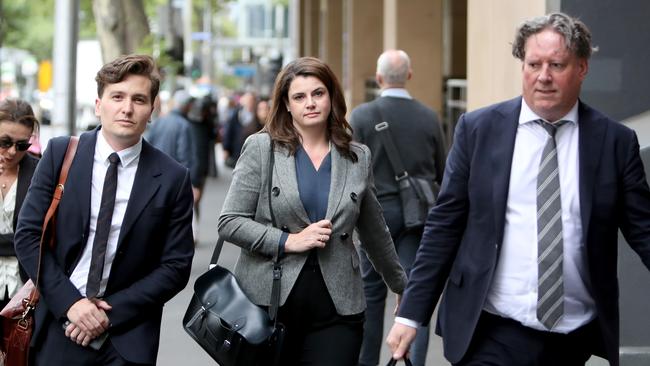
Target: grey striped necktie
{"points": [[550, 284]]}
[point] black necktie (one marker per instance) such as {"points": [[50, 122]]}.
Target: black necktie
{"points": [[103, 228]]}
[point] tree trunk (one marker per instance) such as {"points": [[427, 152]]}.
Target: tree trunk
{"points": [[122, 25]]}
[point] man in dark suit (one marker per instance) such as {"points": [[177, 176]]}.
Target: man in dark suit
{"points": [[105, 308], [524, 233], [417, 134]]}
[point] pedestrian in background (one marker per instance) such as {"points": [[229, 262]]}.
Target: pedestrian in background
{"points": [[171, 133], [123, 244], [17, 126], [203, 118], [322, 191], [240, 125], [523, 239], [416, 131]]}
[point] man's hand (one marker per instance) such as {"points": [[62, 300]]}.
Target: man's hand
{"points": [[77, 335], [399, 339], [89, 316]]}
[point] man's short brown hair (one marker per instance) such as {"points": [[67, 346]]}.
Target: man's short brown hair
{"points": [[123, 66]]}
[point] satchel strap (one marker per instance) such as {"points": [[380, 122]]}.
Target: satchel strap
{"points": [[391, 150], [277, 267], [48, 229]]}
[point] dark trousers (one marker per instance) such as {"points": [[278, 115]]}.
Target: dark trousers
{"points": [[58, 350], [316, 335], [500, 341], [406, 245]]}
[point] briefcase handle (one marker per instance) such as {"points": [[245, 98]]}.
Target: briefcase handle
{"points": [[393, 362]]}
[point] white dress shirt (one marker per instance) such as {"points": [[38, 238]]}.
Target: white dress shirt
{"points": [[126, 169], [513, 293]]}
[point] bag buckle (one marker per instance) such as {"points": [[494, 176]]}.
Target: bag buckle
{"points": [[381, 126], [402, 176], [277, 273]]}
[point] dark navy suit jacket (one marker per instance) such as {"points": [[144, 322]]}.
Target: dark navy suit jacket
{"points": [[154, 252], [463, 235]]}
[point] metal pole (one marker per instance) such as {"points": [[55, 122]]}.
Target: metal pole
{"points": [[208, 64], [188, 56], [65, 63]]}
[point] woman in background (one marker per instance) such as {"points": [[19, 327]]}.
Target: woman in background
{"points": [[17, 126], [322, 190]]}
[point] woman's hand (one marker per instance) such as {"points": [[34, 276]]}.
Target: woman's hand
{"points": [[313, 236]]}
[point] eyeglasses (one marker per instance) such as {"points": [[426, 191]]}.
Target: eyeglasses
{"points": [[20, 145]]}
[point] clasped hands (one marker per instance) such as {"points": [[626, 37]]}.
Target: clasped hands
{"points": [[88, 320]]}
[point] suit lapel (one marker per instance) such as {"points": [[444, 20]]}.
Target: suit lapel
{"points": [[502, 134], [145, 186], [591, 135], [81, 183], [338, 179], [285, 167]]}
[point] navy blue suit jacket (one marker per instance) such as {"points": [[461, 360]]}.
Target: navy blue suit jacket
{"points": [[154, 252], [464, 231]]}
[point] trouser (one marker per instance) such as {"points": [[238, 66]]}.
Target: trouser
{"points": [[58, 350], [500, 341], [316, 335], [406, 245]]}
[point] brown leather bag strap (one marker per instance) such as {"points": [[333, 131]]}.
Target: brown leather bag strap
{"points": [[47, 233]]}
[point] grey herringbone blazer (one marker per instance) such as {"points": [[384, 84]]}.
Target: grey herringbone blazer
{"points": [[245, 221]]}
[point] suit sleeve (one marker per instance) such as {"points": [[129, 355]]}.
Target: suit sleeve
{"points": [[237, 221], [375, 237], [54, 285], [440, 154], [442, 234], [635, 210], [173, 269]]}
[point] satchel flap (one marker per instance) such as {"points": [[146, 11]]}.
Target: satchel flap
{"points": [[220, 294]]}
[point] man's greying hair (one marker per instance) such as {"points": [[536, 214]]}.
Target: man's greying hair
{"points": [[394, 67], [577, 36]]}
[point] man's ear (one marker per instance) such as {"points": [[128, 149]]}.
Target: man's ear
{"points": [[379, 79]]}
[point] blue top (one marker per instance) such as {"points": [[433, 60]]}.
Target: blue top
{"points": [[313, 187]]}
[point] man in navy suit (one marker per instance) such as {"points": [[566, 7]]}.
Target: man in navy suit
{"points": [[497, 222], [105, 308]]}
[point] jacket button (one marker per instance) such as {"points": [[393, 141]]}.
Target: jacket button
{"points": [[353, 196], [284, 228], [344, 236], [275, 191]]}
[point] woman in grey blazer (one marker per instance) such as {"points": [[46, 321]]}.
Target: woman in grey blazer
{"points": [[322, 190]]}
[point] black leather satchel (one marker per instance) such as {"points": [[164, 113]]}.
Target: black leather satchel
{"points": [[225, 323]]}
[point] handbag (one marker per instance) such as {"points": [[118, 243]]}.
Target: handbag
{"points": [[18, 314], [225, 323], [417, 195], [393, 362]]}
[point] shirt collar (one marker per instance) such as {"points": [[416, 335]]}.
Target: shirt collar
{"points": [[127, 156], [396, 93], [527, 115]]}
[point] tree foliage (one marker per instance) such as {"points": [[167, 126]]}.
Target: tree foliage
{"points": [[28, 25]]}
